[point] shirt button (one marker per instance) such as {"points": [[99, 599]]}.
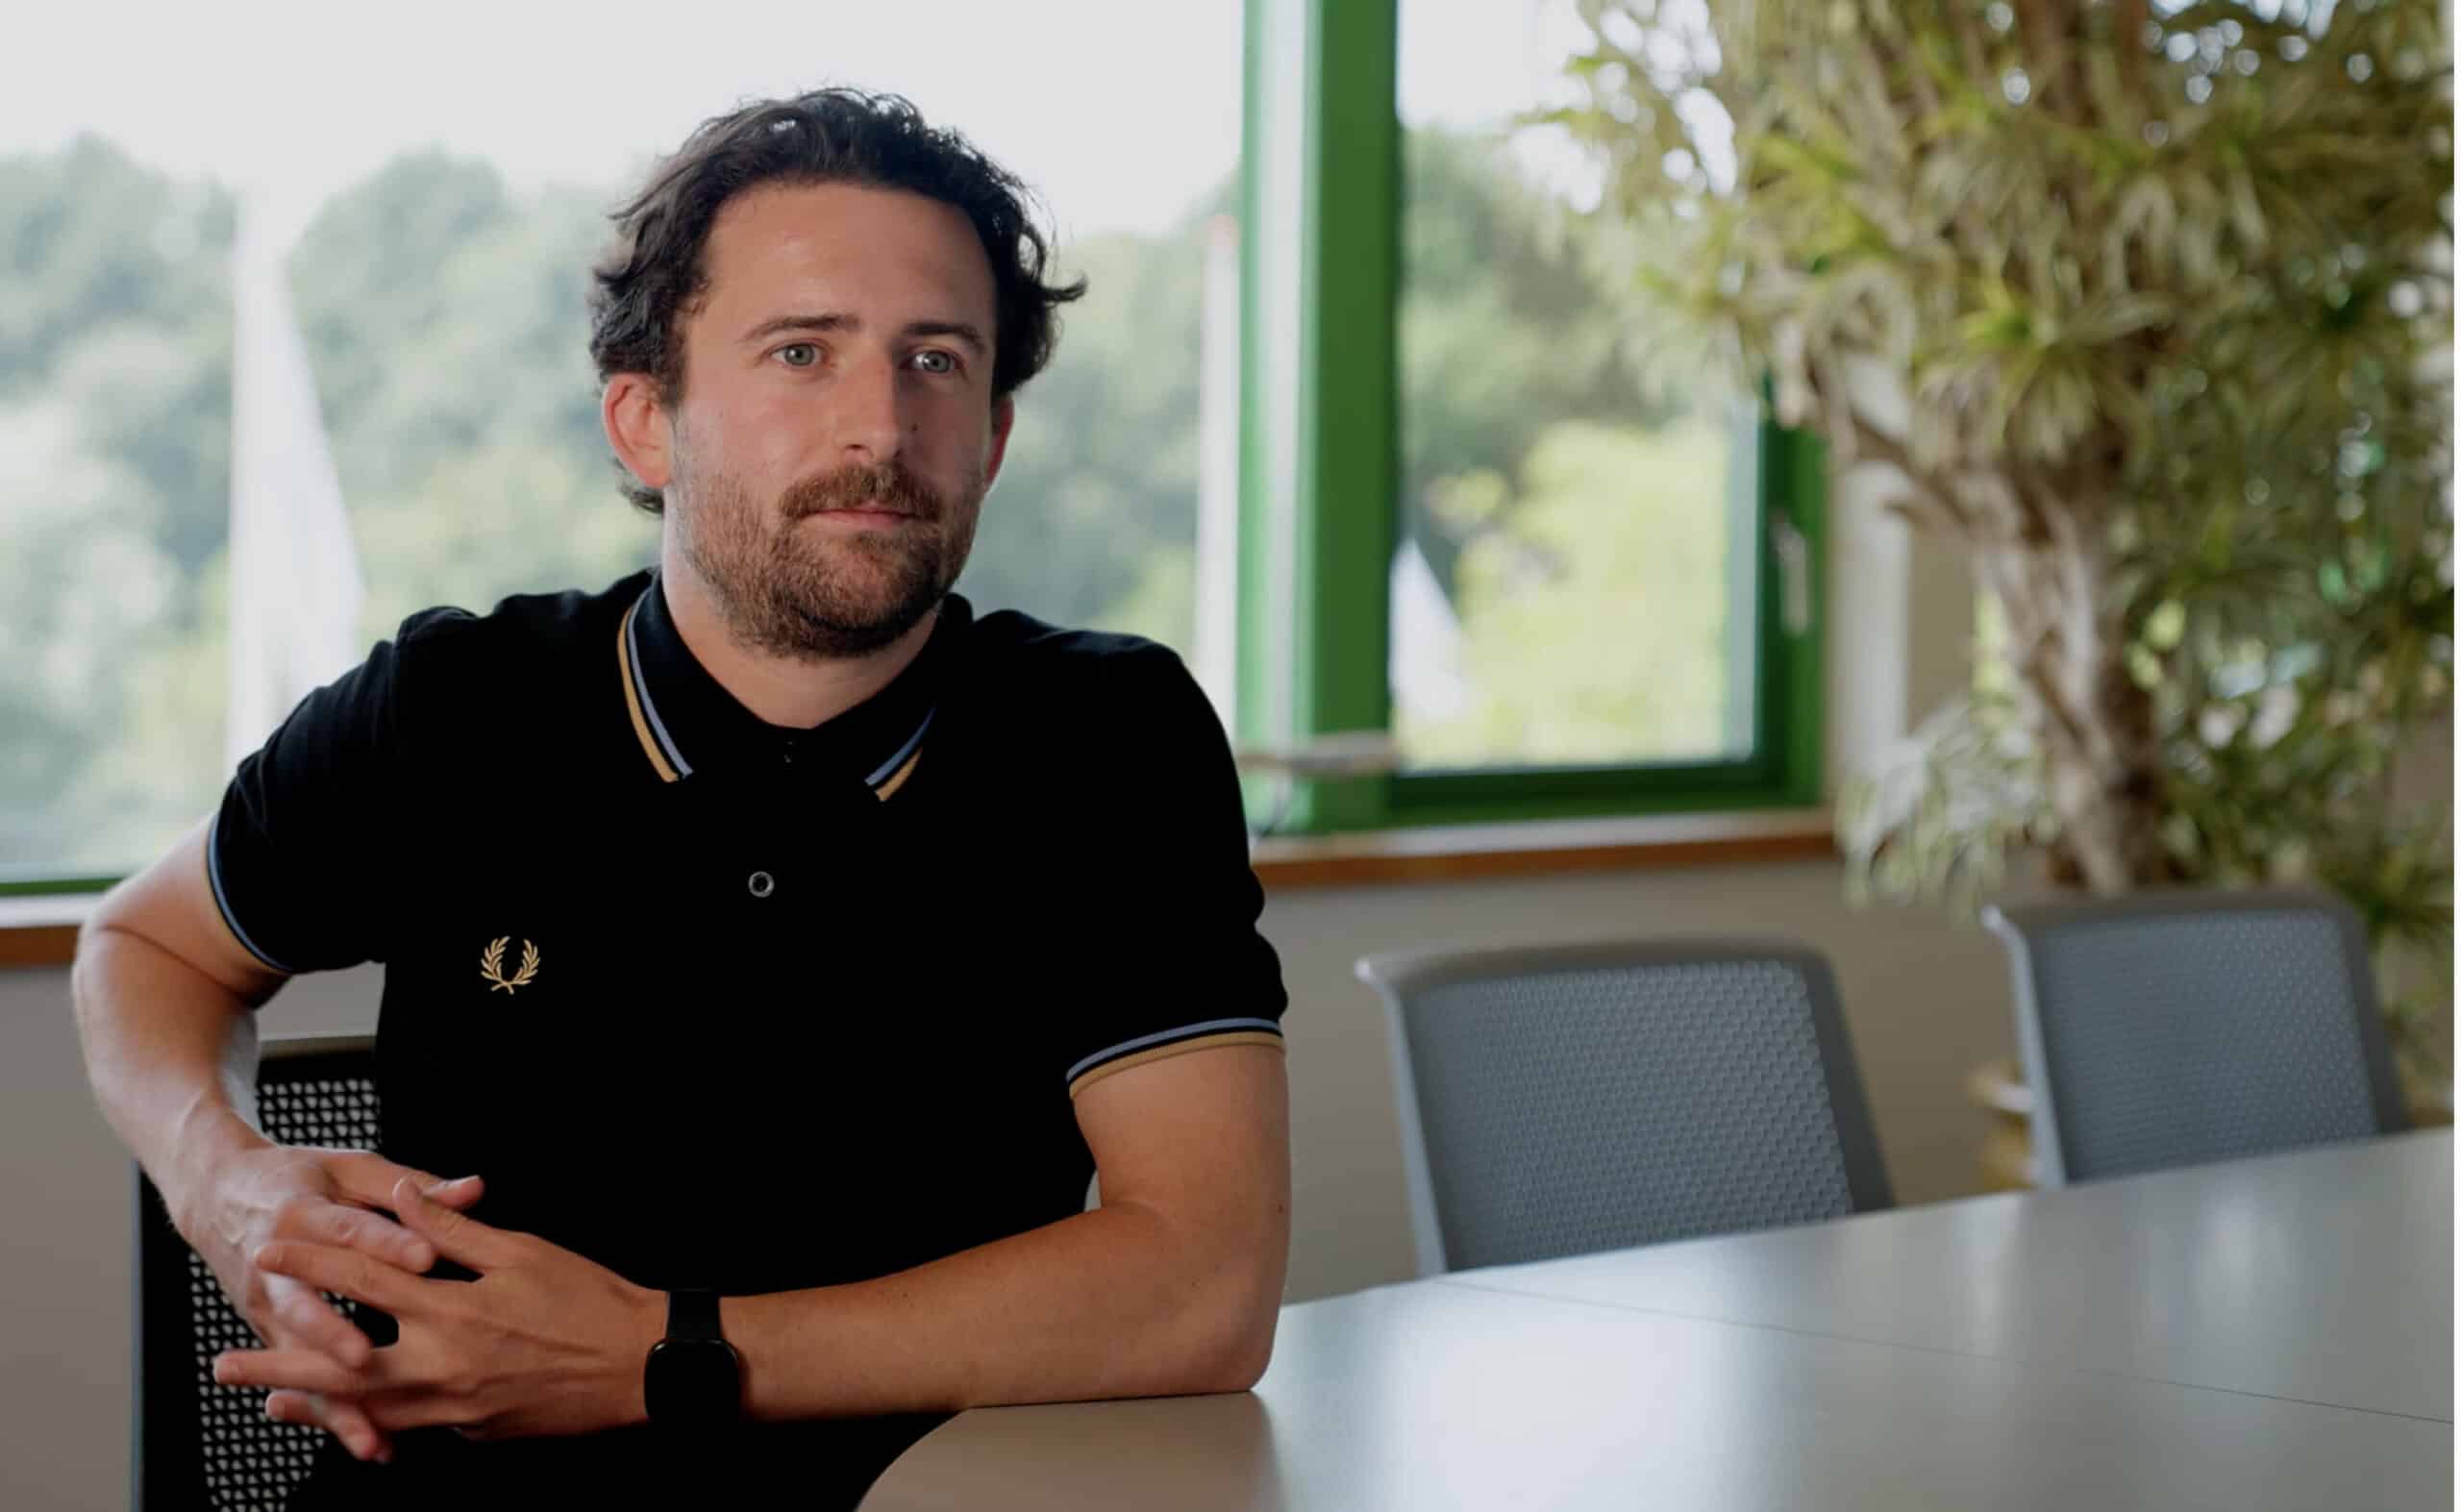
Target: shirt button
{"points": [[760, 884]]}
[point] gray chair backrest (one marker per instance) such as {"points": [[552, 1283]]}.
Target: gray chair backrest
{"points": [[199, 1444], [2177, 1026], [1562, 1100]]}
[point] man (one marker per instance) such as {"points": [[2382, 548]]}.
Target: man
{"points": [[773, 947]]}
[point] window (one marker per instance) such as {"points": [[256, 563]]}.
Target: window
{"points": [[430, 224], [1561, 587]]}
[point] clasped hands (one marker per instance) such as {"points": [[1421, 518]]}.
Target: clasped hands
{"points": [[543, 1342]]}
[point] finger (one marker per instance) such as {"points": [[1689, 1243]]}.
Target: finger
{"points": [[290, 1369], [455, 1235], [347, 1227], [346, 1272], [368, 1178], [343, 1419], [303, 1319], [458, 1193], [379, 1416], [352, 1423], [422, 1408], [352, 1427]]}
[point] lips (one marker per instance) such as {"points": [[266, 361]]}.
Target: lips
{"points": [[860, 513], [867, 508]]}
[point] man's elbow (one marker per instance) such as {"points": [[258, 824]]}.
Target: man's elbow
{"points": [[1248, 1361], [1242, 1344]]}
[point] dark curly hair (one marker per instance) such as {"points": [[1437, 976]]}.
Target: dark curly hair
{"points": [[652, 276]]}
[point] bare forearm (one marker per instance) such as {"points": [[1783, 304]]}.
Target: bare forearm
{"points": [[1114, 1303], [171, 1055]]}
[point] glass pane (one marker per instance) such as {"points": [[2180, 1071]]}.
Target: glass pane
{"points": [[1575, 581], [432, 245]]}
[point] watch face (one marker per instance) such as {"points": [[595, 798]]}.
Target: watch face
{"points": [[692, 1382]]}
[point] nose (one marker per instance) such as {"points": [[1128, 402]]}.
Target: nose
{"points": [[869, 420]]}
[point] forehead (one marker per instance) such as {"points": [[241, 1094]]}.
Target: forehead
{"points": [[784, 249]]}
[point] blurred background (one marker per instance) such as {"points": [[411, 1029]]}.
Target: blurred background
{"points": [[433, 212]]}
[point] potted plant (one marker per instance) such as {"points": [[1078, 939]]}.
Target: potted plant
{"points": [[2148, 308]]}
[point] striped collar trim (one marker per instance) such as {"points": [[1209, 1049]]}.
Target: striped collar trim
{"points": [[893, 772], [657, 742], [646, 723]]}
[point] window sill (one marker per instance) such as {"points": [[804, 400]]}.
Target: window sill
{"points": [[41, 931], [1472, 852]]}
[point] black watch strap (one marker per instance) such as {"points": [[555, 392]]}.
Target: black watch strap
{"points": [[692, 1381], [692, 1315]]}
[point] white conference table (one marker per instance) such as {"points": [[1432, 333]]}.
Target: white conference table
{"points": [[2266, 1333]]}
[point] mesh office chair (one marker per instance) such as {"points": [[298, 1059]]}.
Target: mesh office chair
{"points": [[1562, 1100], [199, 1444], [2170, 1027]]}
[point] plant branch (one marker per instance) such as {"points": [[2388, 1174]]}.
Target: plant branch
{"points": [[1937, 494]]}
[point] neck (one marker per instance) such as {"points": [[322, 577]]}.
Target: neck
{"points": [[789, 691]]}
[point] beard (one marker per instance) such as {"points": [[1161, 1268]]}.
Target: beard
{"points": [[825, 594]]}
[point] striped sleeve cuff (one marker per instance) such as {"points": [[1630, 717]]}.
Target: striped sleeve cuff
{"points": [[222, 899], [1208, 1035]]}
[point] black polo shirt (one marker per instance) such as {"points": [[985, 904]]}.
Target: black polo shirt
{"points": [[720, 1003]]}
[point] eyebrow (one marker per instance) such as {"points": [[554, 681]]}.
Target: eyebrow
{"points": [[831, 321]]}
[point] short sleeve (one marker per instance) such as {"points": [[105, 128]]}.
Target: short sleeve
{"points": [[304, 852], [1174, 959]]}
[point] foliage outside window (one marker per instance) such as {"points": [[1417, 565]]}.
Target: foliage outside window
{"points": [[1563, 581], [442, 312]]}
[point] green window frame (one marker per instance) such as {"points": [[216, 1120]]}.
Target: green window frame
{"points": [[1320, 275], [51, 887]]}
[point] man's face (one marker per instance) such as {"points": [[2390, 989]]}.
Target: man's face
{"points": [[838, 434]]}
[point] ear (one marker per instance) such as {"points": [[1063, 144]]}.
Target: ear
{"points": [[637, 429], [1004, 415]]}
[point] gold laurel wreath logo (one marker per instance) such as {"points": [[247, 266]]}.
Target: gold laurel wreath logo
{"points": [[491, 964]]}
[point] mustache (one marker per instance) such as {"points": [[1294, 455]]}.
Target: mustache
{"points": [[887, 486]]}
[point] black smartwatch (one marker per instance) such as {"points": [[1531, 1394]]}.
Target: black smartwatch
{"points": [[693, 1379]]}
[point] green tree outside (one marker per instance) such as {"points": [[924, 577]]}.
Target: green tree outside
{"points": [[445, 322]]}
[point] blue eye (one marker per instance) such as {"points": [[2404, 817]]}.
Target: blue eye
{"points": [[949, 364], [801, 346]]}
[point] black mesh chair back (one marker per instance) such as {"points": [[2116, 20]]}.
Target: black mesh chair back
{"points": [[1563, 1099], [201, 1445], [2174, 1027]]}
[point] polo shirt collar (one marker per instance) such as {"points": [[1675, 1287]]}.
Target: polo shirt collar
{"points": [[688, 723]]}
